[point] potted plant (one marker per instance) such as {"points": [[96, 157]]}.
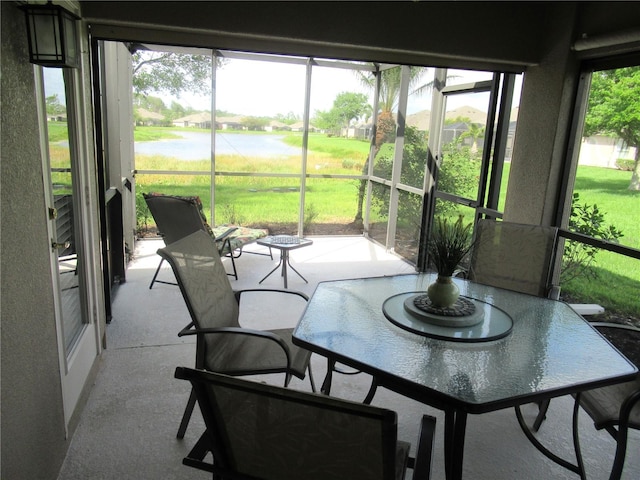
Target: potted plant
{"points": [[448, 246]]}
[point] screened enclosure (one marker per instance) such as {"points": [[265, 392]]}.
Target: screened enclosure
{"points": [[319, 146]]}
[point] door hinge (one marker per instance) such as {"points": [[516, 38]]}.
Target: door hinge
{"points": [[59, 246]]}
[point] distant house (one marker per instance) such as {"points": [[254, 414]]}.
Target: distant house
{"points": [[452, 131], [597, 150], [230, 123], [299, 127], [359, 130], [604, 151], [146, 117], [276, 126], [422, 119], [56, 117], [196, 120]]}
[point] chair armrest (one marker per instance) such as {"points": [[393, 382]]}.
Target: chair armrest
{"points": [[225, 234], [238, 293], [424, 449], [241, 331], [461, 273], [186, 330], [235, 331], [224, 241], [624, 337], [627, 406], [614, 325]]}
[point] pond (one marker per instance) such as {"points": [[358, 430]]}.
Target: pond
{"points": [[196, 146]]}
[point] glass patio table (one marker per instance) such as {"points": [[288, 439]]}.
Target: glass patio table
{"points": [[548, 351]]}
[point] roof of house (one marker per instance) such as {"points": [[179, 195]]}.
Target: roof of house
{"points": [[300, 125], [236, 119], [149, 115], [456, 126], [195, 118]]}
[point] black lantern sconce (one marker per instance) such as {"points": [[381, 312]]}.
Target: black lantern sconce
{"points": [[53, 37]]}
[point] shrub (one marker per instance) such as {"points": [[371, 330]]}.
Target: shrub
{"points": [[625, 164], [458, 174], [414, 160], [143, 215], [351, 164], [578, 258], [231, 216], [310, 214]]}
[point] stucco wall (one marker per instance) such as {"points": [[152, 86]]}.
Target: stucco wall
{"points": [[544, 120], [33, 431]]}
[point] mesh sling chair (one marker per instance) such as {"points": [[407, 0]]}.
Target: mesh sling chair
{"points": [[223, 345], [615, 408], [258, 431], [519, 257], [515, 257], [176, 217]]}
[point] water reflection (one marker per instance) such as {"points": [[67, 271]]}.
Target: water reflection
{"points": [[197, 146]]}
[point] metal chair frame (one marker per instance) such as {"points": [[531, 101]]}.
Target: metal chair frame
{"points": [[617, 426], [281, 410], [179, 216], [213, 306]]}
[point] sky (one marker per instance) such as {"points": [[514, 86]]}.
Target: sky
{"points": [[267, 89], [54, 83]]}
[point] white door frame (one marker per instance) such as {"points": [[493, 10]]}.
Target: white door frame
{"points": [[75, 365]]}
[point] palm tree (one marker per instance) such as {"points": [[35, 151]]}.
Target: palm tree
{"points": [[475, 131], [389, 94]]}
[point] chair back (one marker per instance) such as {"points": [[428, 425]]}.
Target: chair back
{"points": [[176, 217], [204, 285], [513, 256], [273, 433]]}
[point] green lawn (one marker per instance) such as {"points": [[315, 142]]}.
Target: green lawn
{"points": [[57, 131], [261, 201], [149, 134], [608, 188], [333, 147], [617, 283]]}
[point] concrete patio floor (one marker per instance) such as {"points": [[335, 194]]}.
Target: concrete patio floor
{"points": [[127, 429]]}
